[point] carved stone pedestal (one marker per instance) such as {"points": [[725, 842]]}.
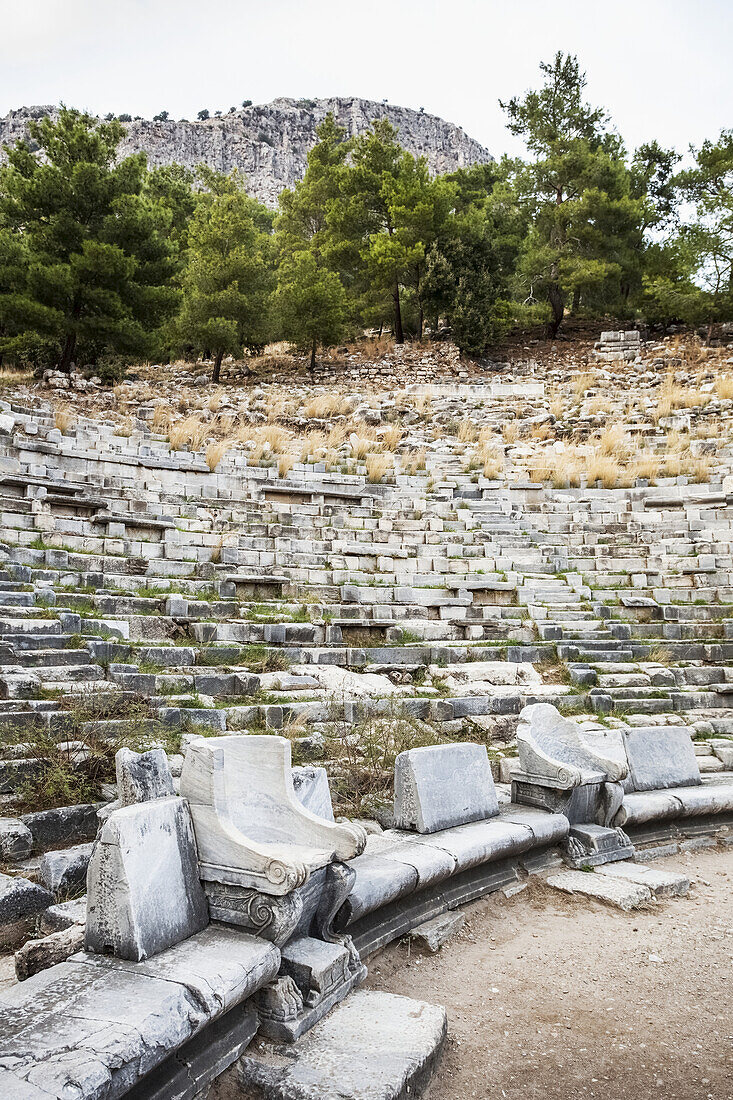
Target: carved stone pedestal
{"points": [[314, 976], [594, 845]]}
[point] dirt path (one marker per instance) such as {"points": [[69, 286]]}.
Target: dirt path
{"points": [[557, 998]]}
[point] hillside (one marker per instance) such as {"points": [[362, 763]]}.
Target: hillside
{"points": [[269, 142]]}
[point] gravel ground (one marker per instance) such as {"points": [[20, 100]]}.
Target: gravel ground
{"points": [[550, 996]]}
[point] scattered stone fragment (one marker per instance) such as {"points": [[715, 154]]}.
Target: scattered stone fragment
{"points": [[624, 895], [65, 869], [661, 883], [432, 934], [16, 839], [37, 955]]}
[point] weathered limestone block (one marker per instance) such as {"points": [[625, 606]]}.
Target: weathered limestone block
{"points": [[661, 757], [373, 1046], [66, 868], [16, 839], [439, 786], [143, 888], [142, 777], [37, 955]]}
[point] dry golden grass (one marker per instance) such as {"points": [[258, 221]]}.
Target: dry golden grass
{"points": [[613, 441], [603, 468], [723, 387], [673, 396], [337, 436], [414, 461], [699, 469], [360, 446], [124, 428], [214, 402], [467, 432], [374, 346], [63, 419], [493, 464], [325, 405], [557, 407], [285, 464], [15, 376], [392, 437], [278, 438], [541, 432], [511, 431], [161, 419], [215, 452], [378, 464], [189, 432], [598, 405], [582, 383], [645, 465]]}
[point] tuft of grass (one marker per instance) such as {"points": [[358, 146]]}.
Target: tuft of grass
{"points": [[215, 452], [285, 464], [378, 465], [63, 419]]}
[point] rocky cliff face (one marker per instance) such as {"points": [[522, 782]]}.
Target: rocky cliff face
{"points": [[269, 142]]}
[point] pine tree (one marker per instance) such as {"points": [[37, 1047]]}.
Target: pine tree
{"points": [[586, 236], [310, 302], [98, 262], [229, 276]]}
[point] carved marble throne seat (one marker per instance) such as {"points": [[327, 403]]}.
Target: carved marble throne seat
{"points": [[271, 866], [565, 769], [251, 828]]}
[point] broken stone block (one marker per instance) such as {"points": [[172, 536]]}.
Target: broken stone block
{"points": [[661, 757], [439, 786], [37, 955], [20, 899], [373, 1046], [62, 870], [16, 839], [661, 883], [624, 895], [432, 934], [142, 777], [62, 915]]}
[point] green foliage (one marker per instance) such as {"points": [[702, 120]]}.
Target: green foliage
{"points": [[310, 302], [93, 247], [585, 239], [228, 275]]}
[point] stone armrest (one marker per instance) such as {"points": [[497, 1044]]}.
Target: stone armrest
{"points": [[250, 827], [538, 766]]}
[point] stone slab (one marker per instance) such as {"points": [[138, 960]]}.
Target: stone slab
{"points": [[440, 786], [624, 895], [143, 888], [660, 757], [373, 1046], [661, 883]]}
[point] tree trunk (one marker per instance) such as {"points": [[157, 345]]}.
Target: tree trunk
{"points": [[554, 295], [399, 336], [313, 355], [67, 354], [217, 366]]}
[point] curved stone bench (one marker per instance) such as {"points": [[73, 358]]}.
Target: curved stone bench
{"points": [[94, 1027], [406, 876], [713, 796], [159, 1003]]}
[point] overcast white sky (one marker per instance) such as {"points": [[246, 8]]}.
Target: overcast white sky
{"points": [[663, 68]]}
